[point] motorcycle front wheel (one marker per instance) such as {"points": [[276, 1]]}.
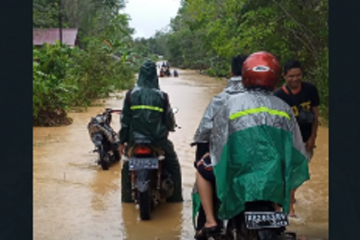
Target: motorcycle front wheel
{"points": [[102, 154]]}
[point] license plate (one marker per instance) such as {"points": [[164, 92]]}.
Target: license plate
{"points": [[143, 163], [258, 220]]}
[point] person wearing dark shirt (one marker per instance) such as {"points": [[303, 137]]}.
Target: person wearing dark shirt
{"points": [[303, 98], [176, 73]]}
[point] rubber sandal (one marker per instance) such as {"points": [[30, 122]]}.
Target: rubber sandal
{"points": [[205, 233], [200, 235]]}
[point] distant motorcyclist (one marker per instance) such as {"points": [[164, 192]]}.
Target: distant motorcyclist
{"points": [[162, 72], [167, 72], [256, 148], [176, 74], [147, 113]]}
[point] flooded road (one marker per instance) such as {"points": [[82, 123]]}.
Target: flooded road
{"points": [[75, 200]]}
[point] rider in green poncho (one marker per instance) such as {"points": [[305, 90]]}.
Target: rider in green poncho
{"points": [[147, 113], [256, 148]]}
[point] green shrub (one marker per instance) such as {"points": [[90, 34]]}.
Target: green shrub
{"points": [[65, 77]]}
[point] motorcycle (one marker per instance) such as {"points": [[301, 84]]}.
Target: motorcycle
{"points": [[162, 73], [168, 73], [150, 183], [165, 72], [104, 138], [259, 220]]}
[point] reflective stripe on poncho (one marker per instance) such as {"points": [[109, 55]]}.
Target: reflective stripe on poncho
{"points": [[257, 151]]}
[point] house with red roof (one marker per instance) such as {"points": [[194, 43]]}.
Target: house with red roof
{"points": [[51, 35]]}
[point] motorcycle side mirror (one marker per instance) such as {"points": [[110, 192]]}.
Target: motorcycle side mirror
{"points": [[175, 110]]}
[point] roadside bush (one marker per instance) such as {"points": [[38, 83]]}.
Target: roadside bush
{"points": [[52, 95], [65, 77]]}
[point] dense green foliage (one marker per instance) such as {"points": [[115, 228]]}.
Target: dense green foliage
{"points": [[104, 62], [205, 34]]}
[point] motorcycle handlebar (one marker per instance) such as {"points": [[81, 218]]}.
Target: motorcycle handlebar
{"points": [[116, 111], [109, 110], [197, 143]]}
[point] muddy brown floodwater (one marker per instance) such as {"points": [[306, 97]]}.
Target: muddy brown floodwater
{"points": [[75, 200]]}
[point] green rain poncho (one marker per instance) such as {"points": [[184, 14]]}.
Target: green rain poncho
{"points": [[257, 152], [147, 114], [145, 111]]}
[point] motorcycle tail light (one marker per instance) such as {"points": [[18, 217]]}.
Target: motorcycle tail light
{"points": [[142, 150]]}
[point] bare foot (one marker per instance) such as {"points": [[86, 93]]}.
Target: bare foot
{"points": [[292, 214], [278, 208], [210, 224]]}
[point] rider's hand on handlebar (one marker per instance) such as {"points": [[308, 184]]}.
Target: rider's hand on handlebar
{"points": [[203, 157], [122, 149]]}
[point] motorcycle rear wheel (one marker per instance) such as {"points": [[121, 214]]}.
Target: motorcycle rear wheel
{"points": [[236, 230], [267, 234], [144, 201], [287, 236]]}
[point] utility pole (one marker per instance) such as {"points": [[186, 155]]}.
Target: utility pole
{"points": [[60, 23]]}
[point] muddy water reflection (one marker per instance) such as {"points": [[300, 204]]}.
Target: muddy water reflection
{"points": [[75, 200]]}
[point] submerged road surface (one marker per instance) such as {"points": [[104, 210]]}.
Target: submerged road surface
{"points": [[75, 200]]}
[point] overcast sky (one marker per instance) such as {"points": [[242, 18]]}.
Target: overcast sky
{"points": [[147, 16]]}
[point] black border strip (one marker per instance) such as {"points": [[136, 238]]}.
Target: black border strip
{"points": [[344, 124], [16, 209], [16, 119]]}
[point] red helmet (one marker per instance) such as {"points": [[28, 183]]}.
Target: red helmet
{"points": [[261, 69]]}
